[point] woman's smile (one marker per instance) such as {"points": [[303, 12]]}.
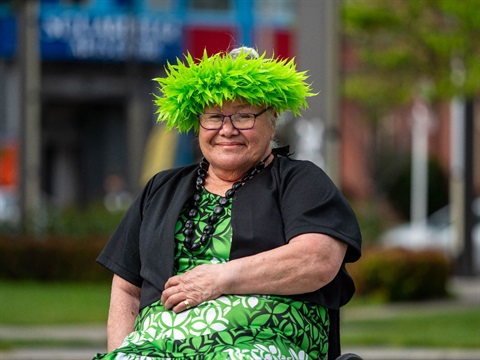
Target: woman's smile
{"points": [[230, 145], [233, 152]]}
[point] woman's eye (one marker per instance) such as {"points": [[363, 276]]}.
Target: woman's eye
{"points": [[214, 117], [244, 116]]}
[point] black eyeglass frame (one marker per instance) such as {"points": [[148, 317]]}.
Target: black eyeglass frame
{"points": [[230, 117]]}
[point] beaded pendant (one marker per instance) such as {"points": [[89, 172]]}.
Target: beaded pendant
{"points": [[218, 210]]}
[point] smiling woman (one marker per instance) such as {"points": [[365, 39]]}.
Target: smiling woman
{"points": [[232, 152], [241, 255]]}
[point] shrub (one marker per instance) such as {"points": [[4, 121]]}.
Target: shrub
{"points": [[401, 275], [51, 259], [71, 222]]}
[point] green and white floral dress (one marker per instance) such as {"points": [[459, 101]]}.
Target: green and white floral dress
{"points": [[230, 327]]}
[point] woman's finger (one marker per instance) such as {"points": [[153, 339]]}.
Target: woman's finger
{"points": [[183, 306], [173, 300], [173, 281]]}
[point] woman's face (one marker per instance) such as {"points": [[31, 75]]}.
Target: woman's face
{"points": [[236, 151]]}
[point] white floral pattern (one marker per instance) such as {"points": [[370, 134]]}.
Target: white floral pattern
{"points": [[210, 320], [230, 327]]}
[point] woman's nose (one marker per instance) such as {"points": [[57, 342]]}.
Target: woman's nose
{"points": [[227, 127]]}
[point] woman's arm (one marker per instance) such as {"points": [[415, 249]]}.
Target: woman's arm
{"points": [[124, 307], [307, 263]]}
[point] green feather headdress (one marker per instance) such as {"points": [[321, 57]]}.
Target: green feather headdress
{"points": [[189, 88]]}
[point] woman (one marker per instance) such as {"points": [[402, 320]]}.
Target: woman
{"points": [[240, 256]]}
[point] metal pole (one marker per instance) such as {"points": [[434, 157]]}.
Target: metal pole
{"points": [[318, 52], [245, 18], [30, 69], [461, 183], [419, 192], [136, 119], [457, 172], [466, 263]]}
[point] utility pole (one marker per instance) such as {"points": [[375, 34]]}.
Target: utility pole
{"points": [[461, 183], [466, 260], [136, 117], [419, 177], [245, 11], [30, 75], [318, 52]]}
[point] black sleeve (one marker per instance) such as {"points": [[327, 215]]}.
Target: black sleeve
{"points": [[121, 255], [311, 203]]}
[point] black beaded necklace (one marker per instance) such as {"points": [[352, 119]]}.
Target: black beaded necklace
{"points": [[218, 210]]}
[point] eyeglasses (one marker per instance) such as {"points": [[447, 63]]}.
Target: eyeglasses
{"points": [[240, 121]]}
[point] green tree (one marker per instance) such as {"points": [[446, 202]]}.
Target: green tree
{"points": [[409, 48], [403, 50]]}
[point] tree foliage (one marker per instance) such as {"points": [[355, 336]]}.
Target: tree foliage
{"points": [[407, 48]]}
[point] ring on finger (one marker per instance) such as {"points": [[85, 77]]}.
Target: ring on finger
{"points": [[187, 304]]}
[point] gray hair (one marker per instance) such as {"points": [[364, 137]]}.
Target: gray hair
{"points": [[252, 53]]}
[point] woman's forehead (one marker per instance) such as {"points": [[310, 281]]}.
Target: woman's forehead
{"points": [[235, 105]]}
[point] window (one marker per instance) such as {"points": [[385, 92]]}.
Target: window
{"points": [[163, 5], [275, 11], [214, 5], [124, 3], [75, 2]]}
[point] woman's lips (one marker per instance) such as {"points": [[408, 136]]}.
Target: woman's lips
{"points": [[229, 145]]}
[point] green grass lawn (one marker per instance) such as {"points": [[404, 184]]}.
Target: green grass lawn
{"points": [[53, 303], [450, 327], [23, 303]]}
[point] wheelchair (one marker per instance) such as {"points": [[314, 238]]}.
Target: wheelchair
{"points": [[334, 349]]}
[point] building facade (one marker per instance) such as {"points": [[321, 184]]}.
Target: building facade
{"points": [[96, 61]]}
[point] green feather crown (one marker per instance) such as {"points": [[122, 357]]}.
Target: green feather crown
{"points": [[189, 88]]}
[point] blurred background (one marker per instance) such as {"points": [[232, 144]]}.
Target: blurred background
{"points": [[396, 123]]}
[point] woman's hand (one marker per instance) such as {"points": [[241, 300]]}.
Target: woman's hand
{"points": [[307, 263], [196, 286]]}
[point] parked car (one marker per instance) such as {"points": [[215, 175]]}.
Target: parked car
{"points": [[9, 209], [438, 233]]}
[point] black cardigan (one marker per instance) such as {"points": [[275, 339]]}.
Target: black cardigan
{"points": [[286, 199]]}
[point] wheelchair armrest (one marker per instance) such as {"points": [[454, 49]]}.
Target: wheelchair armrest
{"points": [[349, 357]]}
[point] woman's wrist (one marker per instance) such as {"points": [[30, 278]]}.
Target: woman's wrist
{"points": [[227, 278]]}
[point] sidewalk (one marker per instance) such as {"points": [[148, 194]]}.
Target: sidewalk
{"points": [[90, 339]]}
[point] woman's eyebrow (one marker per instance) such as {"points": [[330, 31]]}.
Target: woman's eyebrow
{"points": [[236, 108], [244, 108], [213, 109]]}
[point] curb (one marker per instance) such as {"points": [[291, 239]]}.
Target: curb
{"points": [[466, 290]]}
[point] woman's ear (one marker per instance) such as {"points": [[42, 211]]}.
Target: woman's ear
{"points": [[274, 118]]}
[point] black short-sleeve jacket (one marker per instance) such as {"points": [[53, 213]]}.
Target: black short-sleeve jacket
{"points": [[288, 198]]}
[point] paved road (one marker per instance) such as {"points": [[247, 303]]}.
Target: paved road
{"points": [[366, 353], [92, 338]]}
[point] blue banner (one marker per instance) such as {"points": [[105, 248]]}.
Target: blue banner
{"points": [[79, 35], [8, 35]]}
